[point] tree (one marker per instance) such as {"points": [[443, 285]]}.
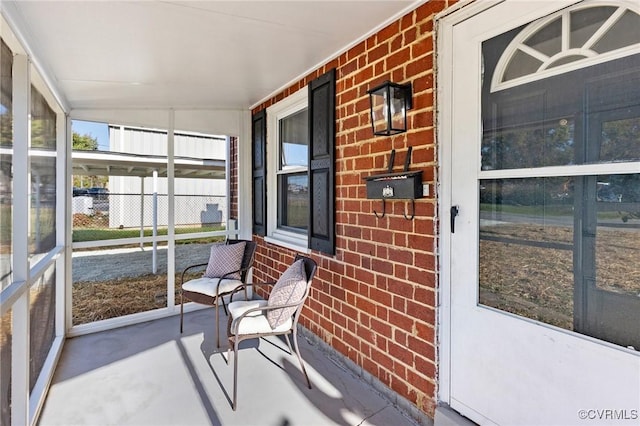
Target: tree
{"points": [[87, 143], [84, 142]]}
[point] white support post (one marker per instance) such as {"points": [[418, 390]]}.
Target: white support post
{"points": [[64, 225], [20, 228], [171, 243], [154, 262], [244, 176], [141, 212]]}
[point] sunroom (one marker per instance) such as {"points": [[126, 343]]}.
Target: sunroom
{"points": [[481, 254]]}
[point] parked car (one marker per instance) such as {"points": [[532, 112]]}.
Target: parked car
{"points": [[99, 193], [80, 192]]}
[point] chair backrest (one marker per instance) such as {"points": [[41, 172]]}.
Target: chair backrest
{"points": [[247, 257], [310, 267]]}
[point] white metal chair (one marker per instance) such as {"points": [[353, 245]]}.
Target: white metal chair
{"points": [[276, 316]]}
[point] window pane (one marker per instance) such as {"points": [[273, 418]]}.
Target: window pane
{"points": [[548, 39], [294, 140], [618, 234], [6, 164], [585, 22], [620, 140], [521, 64], [42, 156], [564, 251], [294, 206], [535, 144], [42, 311], [625, 32], [5, 368], [526, 248]]}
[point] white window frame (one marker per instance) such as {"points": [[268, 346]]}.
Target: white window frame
{"points": [[286, 107]]}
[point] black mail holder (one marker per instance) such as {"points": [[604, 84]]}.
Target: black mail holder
{"points": [[401, 185]]}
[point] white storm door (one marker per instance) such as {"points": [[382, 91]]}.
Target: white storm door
{"points": [[535, 170]]}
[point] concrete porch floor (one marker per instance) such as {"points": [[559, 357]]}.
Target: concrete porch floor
{"points": [[150, 374]]}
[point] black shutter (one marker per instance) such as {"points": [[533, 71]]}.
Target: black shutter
{"points": [[322, 141], [259, 174]]}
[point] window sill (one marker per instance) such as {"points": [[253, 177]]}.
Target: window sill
{"points": [[289, 240]]}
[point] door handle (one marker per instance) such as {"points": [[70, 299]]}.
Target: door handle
{"points": [[454, 212]]}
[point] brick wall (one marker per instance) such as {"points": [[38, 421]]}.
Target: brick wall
{"points": [[375, 300], [233, 178]]}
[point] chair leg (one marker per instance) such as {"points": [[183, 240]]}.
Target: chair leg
{"points": [[229, 339], [295, 343], [181, 311], [286, 339], [217, 323], [235, 372], [224, 305]]}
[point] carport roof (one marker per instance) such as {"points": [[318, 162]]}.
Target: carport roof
{"points": [[99, 163]]}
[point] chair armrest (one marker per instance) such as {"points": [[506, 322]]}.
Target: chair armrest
{"points": [[190, 267], [247, 285]]}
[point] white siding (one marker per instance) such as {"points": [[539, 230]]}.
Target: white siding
{"points": [[202, 208]]}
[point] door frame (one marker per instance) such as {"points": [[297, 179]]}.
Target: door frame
{"points": [[445, 23]]}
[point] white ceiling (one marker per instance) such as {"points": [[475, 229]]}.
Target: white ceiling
{"points": [[188, 54]]}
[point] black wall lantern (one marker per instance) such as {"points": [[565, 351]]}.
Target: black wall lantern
{"points": [[389, 104]]}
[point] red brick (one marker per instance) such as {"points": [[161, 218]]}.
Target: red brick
{"points": [[425, 332], [377, 53], [429, 8], [407, 21], [381, 252], [382, 313], [401, 288], [339, 319], [421, 242], [425, 261], [387, 32], [400, 387], [400, 320], [356, 50], [421, 277], [352, 341], [401, 256], [398, 58], [381, 266], [399, 306], [365, 305], [421, 312], [421, 347], [420, 382], [379, 296], [364, 275], [382, 359], [422, 47], [400, 337], [400, 370], [400, 353], [399, 74], [348, 96]]}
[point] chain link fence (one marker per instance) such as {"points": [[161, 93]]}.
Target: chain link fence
{"points": [[107, 215]]}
